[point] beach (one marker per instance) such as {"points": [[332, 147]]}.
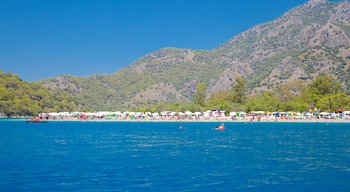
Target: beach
{"points": [[247, 119]]}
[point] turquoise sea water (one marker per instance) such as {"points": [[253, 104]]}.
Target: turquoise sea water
{"points": [[150, 156]]}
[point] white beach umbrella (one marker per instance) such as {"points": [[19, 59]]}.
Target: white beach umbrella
{"points": [[181, 113], [206, 114], [222, 113], [89, 114], [63, 113], [258, 112], [164, 113], [139, 114], [188, 113], [197, 113], [53, 114], [232, 113]]}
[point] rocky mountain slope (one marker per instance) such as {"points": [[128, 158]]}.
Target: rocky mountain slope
{"points": [[311, 39]]}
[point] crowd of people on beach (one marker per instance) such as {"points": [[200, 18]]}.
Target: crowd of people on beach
{"points": [[210, 115]]}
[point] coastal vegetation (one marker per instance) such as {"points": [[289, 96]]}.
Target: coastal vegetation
{"points": [[322, 94], [20, 98]]}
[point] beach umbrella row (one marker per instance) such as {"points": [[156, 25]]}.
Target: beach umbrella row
{"points": [[208, 113]]}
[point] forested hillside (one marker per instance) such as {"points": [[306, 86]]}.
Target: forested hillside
{"points": [[24, 98]]}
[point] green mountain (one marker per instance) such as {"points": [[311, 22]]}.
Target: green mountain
{"points": [[311, 39], [24, 98]]}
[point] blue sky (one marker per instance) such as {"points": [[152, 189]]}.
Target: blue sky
{"points": [[47, 38]]}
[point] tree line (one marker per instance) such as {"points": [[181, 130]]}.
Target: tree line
{"points": [[322, 94], [19, 98]]}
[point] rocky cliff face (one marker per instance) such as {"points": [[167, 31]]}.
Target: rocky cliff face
{"points": [[306, 41], [309, 40]]}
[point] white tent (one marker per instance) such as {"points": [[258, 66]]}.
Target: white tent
{"points": [[346, 112]]}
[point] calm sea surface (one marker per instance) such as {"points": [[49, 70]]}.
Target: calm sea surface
{"points": [[150, 156]]}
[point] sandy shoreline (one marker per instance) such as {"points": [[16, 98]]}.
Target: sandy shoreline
{"points": [[200, 121], [176, 120]]}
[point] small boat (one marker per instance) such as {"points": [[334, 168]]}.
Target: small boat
{"points": [[30, 121], [36, 120], [220, 127]]}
